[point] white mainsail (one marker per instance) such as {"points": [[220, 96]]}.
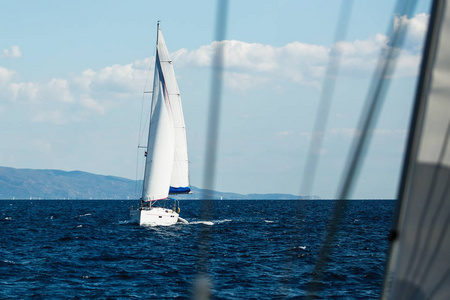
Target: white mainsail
{"points": [[419, 263], [167, 161]]}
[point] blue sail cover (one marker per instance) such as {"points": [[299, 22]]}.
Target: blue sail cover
{"points": [[179, 190]]}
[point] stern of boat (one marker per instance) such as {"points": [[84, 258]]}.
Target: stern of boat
{"points": [[153, 216]]}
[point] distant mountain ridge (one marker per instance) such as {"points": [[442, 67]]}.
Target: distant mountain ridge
{"points": [[57, 184]]}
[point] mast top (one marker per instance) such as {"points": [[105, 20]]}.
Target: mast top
{"points": [[157, 32]]}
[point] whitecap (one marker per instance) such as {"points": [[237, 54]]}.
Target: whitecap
{"points": [[222, 221], [9, 262], [203, 222], [84, 215], [268, 221]]}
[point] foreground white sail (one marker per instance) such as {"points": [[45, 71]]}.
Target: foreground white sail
{"points": [[419, 263], [166, 166]]}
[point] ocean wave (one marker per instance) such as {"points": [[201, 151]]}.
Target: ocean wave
{"points": [[85, 215], [210, 223], [202, 222], [248, 257]]}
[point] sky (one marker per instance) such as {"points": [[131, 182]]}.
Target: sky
{"points": [[73, 73]]}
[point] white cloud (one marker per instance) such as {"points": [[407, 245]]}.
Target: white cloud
{"points": [[417, 28], [58, 89], [6, 75], [117, 78], [247, 66], [244, 81], [243, 56], [91, 104], [407, 64], [14, 52], [256, 64], [73, 99], [250, 65], [361, 56], [83, 81], [201, 57], [23, 91]]}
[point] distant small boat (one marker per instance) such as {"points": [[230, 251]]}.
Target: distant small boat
{"points": [[166, 164]]}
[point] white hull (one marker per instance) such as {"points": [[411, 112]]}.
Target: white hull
{"points": [[154, 216]]}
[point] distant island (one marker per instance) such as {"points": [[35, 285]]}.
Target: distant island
{"points": [[56, 184]]}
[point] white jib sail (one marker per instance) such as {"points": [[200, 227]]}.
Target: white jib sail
{"points": [[180, 173]]}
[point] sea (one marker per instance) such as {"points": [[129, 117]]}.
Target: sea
{"points": [[241, 249]]}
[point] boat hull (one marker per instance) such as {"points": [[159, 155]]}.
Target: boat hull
{"points": [[153, 216]]}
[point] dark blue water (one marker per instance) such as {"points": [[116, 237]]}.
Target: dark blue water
{"points": [[257, 250]]}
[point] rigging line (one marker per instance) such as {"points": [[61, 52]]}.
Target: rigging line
{"points": [[320, 125], [140, 132], [326, 96], [215, 99], [368, 119], [438, 209], [202, 285], [143, 97], [415, 127], [155, 49], [150, 109], [155, 53], [136, 178]]}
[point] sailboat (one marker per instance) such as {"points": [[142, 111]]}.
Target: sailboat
{"points": [[419, 261], [166, 163]]}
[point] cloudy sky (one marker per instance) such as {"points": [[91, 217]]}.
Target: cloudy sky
{"points": [[72, 76]]}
